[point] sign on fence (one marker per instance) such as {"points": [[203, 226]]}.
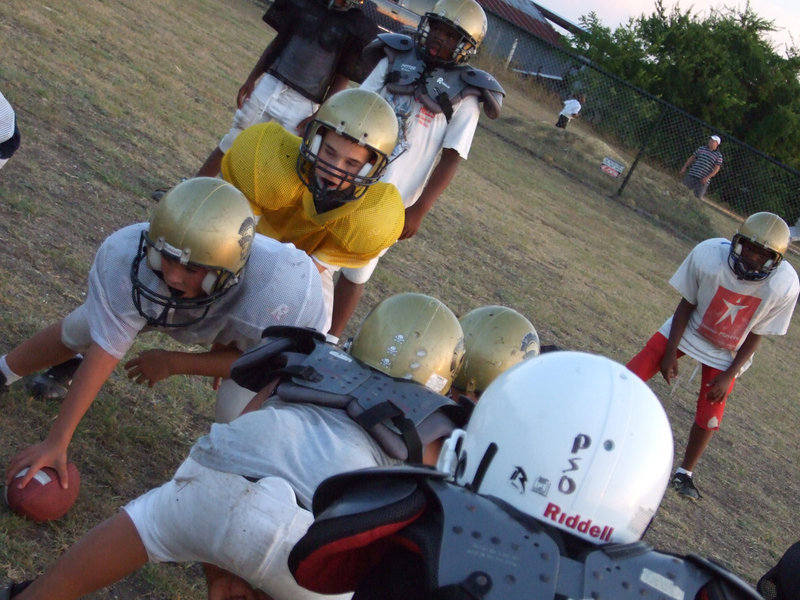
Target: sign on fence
{"points": [[612, 167]]}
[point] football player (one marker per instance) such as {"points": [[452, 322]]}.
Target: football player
{"points": [[545, 495], [322, 192], [241, 499], [196, 272], [316, 53], [734, 292], [436, 96]]}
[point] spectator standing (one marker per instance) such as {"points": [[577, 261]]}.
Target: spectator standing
{"points": [[572, 106], [701, 166]]}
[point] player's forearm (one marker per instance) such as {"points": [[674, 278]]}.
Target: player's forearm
{"points": [[440, 178], [214, 363], [95, 369], [680, 320], [745, 353]]}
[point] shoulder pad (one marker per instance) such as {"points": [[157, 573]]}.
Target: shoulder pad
{"points": [[396, 41], [333, 487], [488, 90], [636, 570], [728, 585], [352, 529], [384, 45], [253, 369], [482, 79], [491, 551]]}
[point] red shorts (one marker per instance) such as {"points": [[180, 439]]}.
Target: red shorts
{"points": [[648, 362]]}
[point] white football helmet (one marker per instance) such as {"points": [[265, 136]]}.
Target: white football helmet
{"points": [[574, 440]]}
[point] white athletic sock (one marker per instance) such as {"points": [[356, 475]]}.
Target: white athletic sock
{"points": [[682, 470], [10, 376]]}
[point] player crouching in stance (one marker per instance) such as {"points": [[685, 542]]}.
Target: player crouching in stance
{"points": [[195, 272], [546, 495], [240, 500], [734, 291], [323, 193]]}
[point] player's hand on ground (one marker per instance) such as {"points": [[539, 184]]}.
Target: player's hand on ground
{"points": [[669, 368], [43, 454], [718, 387], [149, 367]]}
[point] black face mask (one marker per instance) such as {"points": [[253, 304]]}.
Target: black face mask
{"points": [[188, 310]]}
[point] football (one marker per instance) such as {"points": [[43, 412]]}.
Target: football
{"points": [[43, 499]]}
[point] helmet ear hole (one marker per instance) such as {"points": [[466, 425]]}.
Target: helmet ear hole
{"points": [[209, 283], [153, 259], [316, 144], [366, 169]]}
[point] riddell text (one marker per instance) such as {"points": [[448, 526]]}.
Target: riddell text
{"points": [[554, 512]]}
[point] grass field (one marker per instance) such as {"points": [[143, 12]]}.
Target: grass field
{"points": [[117, 98]]}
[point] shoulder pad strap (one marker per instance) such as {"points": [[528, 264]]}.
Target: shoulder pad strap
{"points": [[403, 416], [725, 585], [349, 534]]}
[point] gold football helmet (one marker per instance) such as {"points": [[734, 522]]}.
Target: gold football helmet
{"points": [[204, 222], [767, 233], [362, 117], [496, 338], [412, 336], [466, 17]]}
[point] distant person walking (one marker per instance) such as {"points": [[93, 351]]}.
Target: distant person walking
{"points": [[9, 132], [701, 166], [572, 106]]}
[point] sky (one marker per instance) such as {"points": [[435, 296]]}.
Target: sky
{"points": [[612, 13]]}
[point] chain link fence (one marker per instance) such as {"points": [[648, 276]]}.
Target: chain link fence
{"points": [[645, 131]]}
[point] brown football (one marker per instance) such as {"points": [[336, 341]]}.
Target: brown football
{"points": [[43, 499]]}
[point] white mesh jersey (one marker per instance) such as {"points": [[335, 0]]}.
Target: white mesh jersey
{"points": [[423, 135], [280, 286], [728, 308]]}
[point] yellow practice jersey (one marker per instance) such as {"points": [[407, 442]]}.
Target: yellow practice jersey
{"points": [[261, 163]]}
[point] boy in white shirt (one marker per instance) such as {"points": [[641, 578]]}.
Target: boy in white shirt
{"points": [[733, 293]]}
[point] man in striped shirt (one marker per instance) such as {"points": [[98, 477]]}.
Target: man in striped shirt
{"points": [[702, 166]]}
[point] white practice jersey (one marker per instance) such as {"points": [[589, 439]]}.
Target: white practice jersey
{"points": [[280, 286], [423, 135], [728, 308], [301, 443]]}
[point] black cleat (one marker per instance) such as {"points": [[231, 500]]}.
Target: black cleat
{"points": [[684, 485], [7, 592], [54, 383]]}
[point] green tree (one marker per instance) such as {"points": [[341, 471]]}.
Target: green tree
{"points": [[720, 68]]}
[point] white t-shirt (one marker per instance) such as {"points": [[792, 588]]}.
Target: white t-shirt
{"points": [[280, 286], [571, 108], [301, 443], [423, 135], [7, 120], [728, 308]]}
